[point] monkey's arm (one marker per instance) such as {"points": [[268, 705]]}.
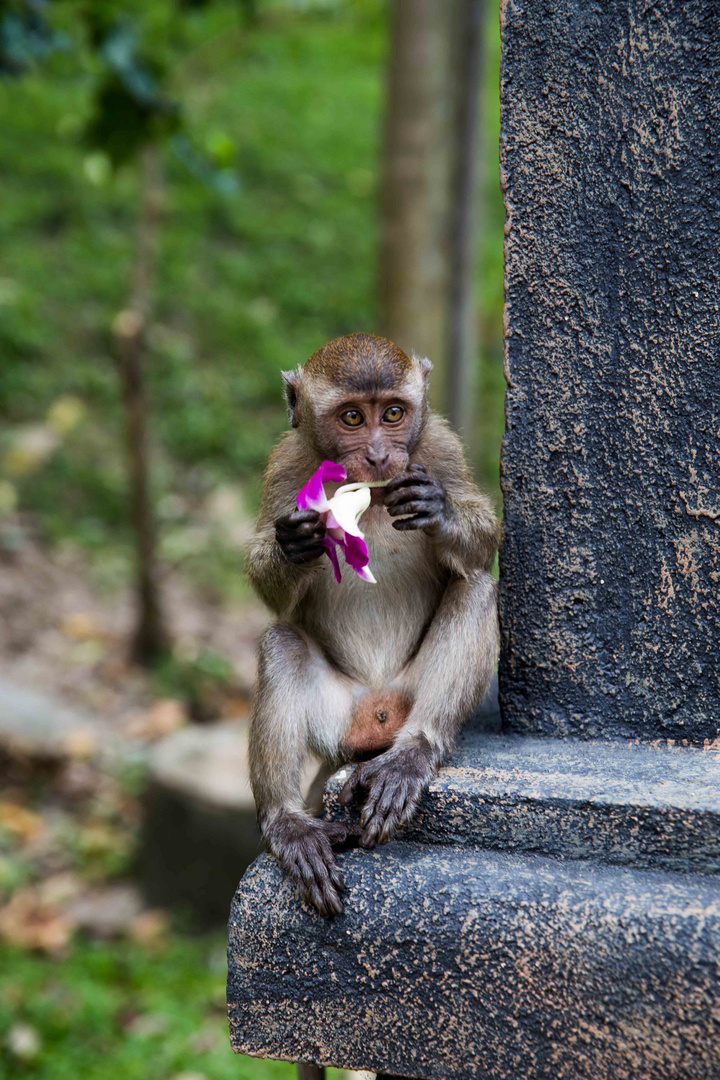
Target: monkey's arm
{"points": [[439, 496], [290, 682], [279, 581]]}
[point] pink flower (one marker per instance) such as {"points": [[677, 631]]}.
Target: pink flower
{"points": [[340, 515]]}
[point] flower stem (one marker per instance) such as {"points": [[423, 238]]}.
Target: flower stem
{"points": [[367, 484]]}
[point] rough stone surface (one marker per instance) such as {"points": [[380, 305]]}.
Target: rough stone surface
{"points": [[610, 571], [450, 963], [656, 807]]}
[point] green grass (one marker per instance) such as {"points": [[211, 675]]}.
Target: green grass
{"points": [[248, 284], [118, 1012]]}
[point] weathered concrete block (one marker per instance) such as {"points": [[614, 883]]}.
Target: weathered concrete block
{"points": [[655, 807], [610, 587], [451, 963], [199, 829]]}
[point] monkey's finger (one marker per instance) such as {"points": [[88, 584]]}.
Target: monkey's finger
{"points": [[291, 521], [336, 877], [303, 870], [387, 797], [374, 795], [403, 494], [327, 904], [350, 787], [342, 836], [410, 806], [418, 521], [389, 827], [417, 506], [326, 869], [325, 885], [372, 831], [308, 529], [408, 478]]}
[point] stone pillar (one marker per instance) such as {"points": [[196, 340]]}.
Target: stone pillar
{"points": [[610, 595]]}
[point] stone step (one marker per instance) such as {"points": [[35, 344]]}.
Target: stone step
{"points": [[630, 804], [453, 964]]}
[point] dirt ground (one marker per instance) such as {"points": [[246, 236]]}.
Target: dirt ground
{"points": [[62, 636]]}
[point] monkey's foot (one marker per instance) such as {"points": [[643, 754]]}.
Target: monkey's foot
{"points": [[304, 845], [394, 782]]}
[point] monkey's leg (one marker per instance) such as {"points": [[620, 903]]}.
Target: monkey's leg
{"points": [[447, 679], [299, 701]]}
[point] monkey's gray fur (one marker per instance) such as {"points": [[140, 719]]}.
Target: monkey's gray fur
{"points": [[427, 629]]}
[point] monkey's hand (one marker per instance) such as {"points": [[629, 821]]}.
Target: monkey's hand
{"points": [[394, 782], [304, 845], [300, 535], [420, 498]]}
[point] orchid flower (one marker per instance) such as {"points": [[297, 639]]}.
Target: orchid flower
{"points": [[340, 515]]}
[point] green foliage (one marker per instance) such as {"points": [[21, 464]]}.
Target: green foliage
{"points": [[199, 681], [250, 281], [117, 1010], [26, 37], [131, 108]]}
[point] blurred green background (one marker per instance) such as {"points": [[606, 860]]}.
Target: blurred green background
{"points": [[267, 248]]}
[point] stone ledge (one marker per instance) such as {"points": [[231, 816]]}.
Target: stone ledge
{"points": [[454, 964], [645, 806]]}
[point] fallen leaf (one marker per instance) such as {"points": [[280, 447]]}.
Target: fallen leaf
{"points": [[80, 744], [28, 922], [149, 928], [161, 719], [81, 626], [20, 822]]}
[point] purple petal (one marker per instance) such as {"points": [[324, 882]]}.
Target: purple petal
{"points": [[312, 495], [355, 552], [329, 546]]}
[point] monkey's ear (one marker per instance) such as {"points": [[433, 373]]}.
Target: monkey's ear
{"points": [[292, 385], [424, 365]]}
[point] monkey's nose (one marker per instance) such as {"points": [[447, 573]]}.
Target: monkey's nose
{"points": [[376, 458]]}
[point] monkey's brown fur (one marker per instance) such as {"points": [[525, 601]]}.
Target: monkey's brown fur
{"points": [[360, 361], [419, 646]]}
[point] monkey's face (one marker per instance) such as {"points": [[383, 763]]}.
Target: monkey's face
{"points": [[361, 402], [372, 434]]}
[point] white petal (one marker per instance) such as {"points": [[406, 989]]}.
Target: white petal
{"points": [[347, 506]]}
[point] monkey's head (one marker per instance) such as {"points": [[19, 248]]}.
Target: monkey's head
{"points": [[362, 402]]}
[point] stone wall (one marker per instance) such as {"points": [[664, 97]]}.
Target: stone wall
{"points": [[610, 595]]}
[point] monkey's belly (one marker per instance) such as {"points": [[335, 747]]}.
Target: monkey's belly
{"points": [[375, 721], [371, 631]]}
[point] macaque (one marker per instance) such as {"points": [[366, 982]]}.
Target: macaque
{"points": [[379, 674]]}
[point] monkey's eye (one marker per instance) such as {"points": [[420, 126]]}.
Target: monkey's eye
{"points": [[393, 415], [352, 418]]}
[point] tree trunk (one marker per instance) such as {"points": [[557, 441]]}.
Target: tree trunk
{"points": [[150, 638], [462, 337], [418, 140]]}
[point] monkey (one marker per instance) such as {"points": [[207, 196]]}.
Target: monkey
{"points": [[381, 675]]}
